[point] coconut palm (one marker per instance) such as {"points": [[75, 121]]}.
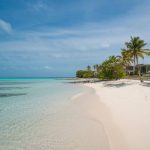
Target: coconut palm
{"points": [[126, 57], [88, 68], [94, 67], [97, 67], [136, 50]]}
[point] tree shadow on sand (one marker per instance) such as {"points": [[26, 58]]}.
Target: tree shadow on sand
{"points": [[147, 84], [117, 85]]}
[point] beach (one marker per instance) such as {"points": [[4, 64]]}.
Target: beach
{"points": [[55, 115], [124, 112], [50, 114]]}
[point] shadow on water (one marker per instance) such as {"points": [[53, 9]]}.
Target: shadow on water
{"points": [[14, 83], [11, 94], [12, 88]]}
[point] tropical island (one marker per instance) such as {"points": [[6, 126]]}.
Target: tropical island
{"points": [[125, 65]]}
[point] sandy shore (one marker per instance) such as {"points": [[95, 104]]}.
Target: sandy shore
{"points": [[112, 115], [123, 109], [74, 126]]}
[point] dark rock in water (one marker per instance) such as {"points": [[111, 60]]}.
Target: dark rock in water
{"points": [[11, 94]]}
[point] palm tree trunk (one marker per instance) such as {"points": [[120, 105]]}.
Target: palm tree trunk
{"points": [[139, 70], [146, 69], [138, 67], [134, 66]]}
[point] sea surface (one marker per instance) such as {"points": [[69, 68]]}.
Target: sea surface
{"points": [[27, 112]]}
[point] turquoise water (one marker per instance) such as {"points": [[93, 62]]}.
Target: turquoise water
{"points": [[23, 105]]}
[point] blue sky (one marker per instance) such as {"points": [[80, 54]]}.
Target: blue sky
{"points": [[57, 37]]}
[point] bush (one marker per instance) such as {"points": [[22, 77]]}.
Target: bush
{"points": [[111, 69], [85, 74]]}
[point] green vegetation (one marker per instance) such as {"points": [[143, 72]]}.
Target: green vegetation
{"points": [[111, 68], [85, 74], [135, 50], [115, 66]]}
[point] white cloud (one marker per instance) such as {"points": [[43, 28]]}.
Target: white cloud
{"points": [[88, 40], [48, 67], [38, 6], [105, 45], [56, 55], [5, 26]]}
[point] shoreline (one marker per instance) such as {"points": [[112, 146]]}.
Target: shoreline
{"points": [[90, 106], [126, 103], [90, 103], [86, 106]]}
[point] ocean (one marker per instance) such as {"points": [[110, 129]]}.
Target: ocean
{"points": [[29, 112]]}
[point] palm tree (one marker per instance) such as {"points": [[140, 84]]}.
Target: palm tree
{"points": [[136, 50], [126, 57], [94, 67], [89, 68], [97, 67]]}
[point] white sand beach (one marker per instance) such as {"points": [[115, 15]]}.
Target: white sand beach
{"points": [[123, 109]]}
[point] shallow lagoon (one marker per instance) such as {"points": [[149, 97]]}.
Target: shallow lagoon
{"points": [[24, 103]]}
